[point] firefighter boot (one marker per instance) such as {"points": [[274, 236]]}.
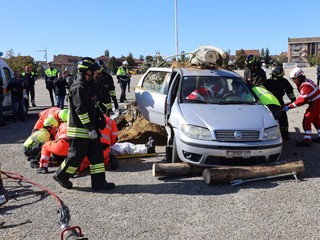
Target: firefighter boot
{"points": [[104, 186], [63, 182]]}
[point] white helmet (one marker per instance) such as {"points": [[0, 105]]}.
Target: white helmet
{"points": [[125, 63], [296, 72]]}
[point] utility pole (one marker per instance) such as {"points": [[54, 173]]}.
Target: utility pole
{"points": [[176, 24], [45, 53]]}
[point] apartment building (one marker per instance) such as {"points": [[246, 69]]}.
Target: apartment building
{"points": [[299, 49]]}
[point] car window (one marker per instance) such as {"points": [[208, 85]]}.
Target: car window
{"points": [[215, 89], [156, 81]]}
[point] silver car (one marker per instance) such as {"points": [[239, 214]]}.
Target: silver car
{"points": [[211, 116]]}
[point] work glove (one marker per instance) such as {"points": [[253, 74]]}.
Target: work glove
{"points": [[93, 134], [286, 108]]}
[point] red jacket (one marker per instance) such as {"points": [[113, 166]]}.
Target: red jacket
{"points": [[309, 92]]}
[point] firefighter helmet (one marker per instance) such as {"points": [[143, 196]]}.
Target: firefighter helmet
{"points": [[50, 122], [251, 61], [277, 72], [63, 115], [296, 72], [85, 64], [100, 65]]}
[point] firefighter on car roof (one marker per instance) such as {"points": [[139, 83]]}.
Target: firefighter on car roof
{"points": [[309, 94], [83, 130]]}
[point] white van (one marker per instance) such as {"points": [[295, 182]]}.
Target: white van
{"points": [[6, 74]]}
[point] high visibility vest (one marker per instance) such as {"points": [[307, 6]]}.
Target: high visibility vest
{"points": [[40, 136], [51, 72], [265, 97], [110, 132], [121, 71]]}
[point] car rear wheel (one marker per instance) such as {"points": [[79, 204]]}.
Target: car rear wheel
{"points": [[175, 156]]}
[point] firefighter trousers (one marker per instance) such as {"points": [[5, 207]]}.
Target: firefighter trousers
{"points": [[78, 149]]}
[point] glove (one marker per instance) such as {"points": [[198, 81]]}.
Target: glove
{"points": [[93, 134], [286, 108]]}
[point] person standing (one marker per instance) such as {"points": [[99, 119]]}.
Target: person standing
{"points": [[123, 79], [16, 86], [256, 76], [318, 74], [105, 89], [83, 131], [50, 75], [60, 90], [2, 123], [279, 86], [68, 77], [29, 78], [309, 94]]}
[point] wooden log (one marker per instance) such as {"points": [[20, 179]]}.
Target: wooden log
{"points": [[225, 174], [175, 169]]}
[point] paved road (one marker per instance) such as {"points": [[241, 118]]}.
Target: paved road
{"points": [[144, 207]]}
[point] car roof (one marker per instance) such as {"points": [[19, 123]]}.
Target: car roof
{"points": [[198, 72]]}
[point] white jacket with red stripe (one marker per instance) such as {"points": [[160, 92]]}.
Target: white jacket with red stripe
{"points": [[309, 92]]}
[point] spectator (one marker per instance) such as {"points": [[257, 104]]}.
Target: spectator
{"points": [[68, 77], [2, 124], [16, 86], [60, 85], [29, 78], [124, 80], [50, 76]]}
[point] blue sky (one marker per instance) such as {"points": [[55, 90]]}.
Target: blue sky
{"points": [[144, 27]]}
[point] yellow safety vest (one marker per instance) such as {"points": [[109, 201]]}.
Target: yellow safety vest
{"points": [[265, 97]]}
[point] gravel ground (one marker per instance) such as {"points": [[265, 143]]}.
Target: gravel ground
{"points": [[144, 207]]}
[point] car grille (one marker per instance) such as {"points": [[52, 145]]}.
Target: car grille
{"points": [[236, 135]]}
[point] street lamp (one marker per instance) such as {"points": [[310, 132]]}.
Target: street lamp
{"points": [[176, 24]]}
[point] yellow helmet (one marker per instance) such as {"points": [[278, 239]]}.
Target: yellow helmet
{"points": [[63, 115], [50, 122]]}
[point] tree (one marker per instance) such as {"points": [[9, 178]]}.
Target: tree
{"points": [[9, 54], [141, 58], [106, 53], [267, 57], [112, 65], [314, 59], [130, 59], [20, 62], [262, 53], [240, 59]]}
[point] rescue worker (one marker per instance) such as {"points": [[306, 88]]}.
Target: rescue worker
{"points": [[123, 77], [269, 100], [309, 94], [109, 136], [208, 91], [61, 115], [279, 86], [105, 89], [32, 146], [50, 75], [58, 147], [254, 75], [82, 131], [29, 78], [318, 74]]}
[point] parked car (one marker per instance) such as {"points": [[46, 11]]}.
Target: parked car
{"points": [[211, 116], [6, 74]]}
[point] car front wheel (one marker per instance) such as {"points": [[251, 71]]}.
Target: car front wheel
{"points": [[175, 156]]}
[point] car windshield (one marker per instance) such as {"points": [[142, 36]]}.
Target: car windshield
{"points": [[215, 89]]}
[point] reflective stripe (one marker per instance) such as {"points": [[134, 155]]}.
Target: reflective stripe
{"points": [[84, 118], [77, 132], [112, 93], [97, 168], [71, 170]]}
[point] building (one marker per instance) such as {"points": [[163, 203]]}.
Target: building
{"points": [[300, 49]]}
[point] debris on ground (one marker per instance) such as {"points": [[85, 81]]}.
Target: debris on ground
{"points": [[135, 129]]}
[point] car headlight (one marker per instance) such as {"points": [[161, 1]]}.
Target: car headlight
{"points": [[272, 133], [196, 132]]}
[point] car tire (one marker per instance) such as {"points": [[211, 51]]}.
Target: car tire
{"points": [[175, 156]]}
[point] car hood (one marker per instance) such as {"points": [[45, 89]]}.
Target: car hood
{"points": [[227, 116]]}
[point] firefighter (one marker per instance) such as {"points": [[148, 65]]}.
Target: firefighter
{"points": [[57, 147], [109, 136], [55, 112], [32, 146], [83, 131], [105, 89], [279, 86], [254, 74], [269, 100], [29, 78], [123, 77], [309, 94], [50, 75]]}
